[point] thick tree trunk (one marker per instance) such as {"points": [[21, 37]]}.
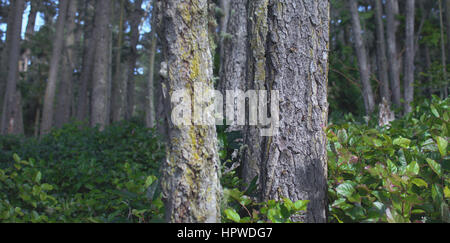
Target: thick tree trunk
{"points": [[234, 63], [190, 181], [225, 6], [394, 75], [101, 77], [135, 20], [360, 48], [409, 58], [49, 99], [83, 102], [11, 122], [117, 93], [65, 89], [295, 159], [381, 52]]}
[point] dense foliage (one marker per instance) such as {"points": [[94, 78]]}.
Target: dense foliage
{"points": [[391, 174]]}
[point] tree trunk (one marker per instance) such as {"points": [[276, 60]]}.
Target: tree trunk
{"points": [[100, 80], [11, 122], [394, 75], [28, 34], [150, 118], [49, 99], [360, 48], [118, 86], [295, 159], [190, 175], [409, 57], [135, 20], [65, 90], [83, 102], [443, 53], [381, 52]]}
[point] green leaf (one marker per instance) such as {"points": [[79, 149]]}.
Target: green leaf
{"points": [[232, 215], [149, 181], [419, 182], [345, 189], [37, 177], [442, 145], [413, 168], [436, 167], [16, 158], [402, 142], [447, 192], [377, 142], [434, 111], [301, 205]]}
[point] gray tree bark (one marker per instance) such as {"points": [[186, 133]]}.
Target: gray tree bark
{"points": [[49, 99], [117, 94], [295, 160], [65, 89], [11, 122], [408, 82], [150, 112], [381, 52], [190, 174], [83, 102], [101, 77], [360, 48], [135, 20], [394, 74]]}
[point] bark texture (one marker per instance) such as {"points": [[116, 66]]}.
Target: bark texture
{"points": [[360, 48], [150, 118], [408, 83], [65, 89], [49, 99], [101, 77], [381, 52], [394, 74], [190, 174], [117, 93]]}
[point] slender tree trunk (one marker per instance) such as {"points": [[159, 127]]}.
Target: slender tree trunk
{"points": [[190, 181], [29, 32], [49, 99], [65, 90], [443, 53], [381, 52], [295, 159], [11, 122], [83, 102], [101, 77], [394, 74], [135, 20], [117, 107], [409, 58], [360, 48], [150, 119], [225, 6]]}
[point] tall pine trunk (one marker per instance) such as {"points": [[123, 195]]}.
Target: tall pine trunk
{"points": [[49, 98], [360, 48], [11, 121], [190, 178], [409, 57], [150, 112], [394, 75], [117, 93], [381, 52]]}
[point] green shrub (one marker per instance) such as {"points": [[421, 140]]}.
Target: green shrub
{"points": [[396, 174]]}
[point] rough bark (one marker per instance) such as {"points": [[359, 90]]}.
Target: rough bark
{"points": [[225, 6], [83, 102], [100, 81], [256, 78], [408, 83], [135, 20], [65, 89], [392, 25], [295, 159], [28, 34], [117, 84], [443, 53], [49, 99], [234, 63], [190, 174], [360, 48], [381, 52]]}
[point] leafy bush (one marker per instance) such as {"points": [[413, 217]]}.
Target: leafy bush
{"points": [[82, 175], [396, 174]]}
